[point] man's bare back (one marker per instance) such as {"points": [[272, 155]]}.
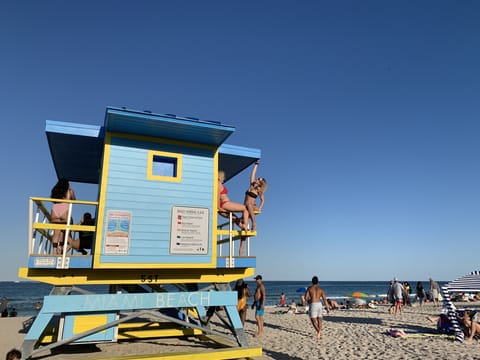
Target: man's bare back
{"points": [[315, 294]]}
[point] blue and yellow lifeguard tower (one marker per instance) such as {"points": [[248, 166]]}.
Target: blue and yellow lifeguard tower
{"points": [[159, 247]]}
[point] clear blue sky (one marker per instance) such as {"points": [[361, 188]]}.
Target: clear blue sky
{"points": [[366, 112]]}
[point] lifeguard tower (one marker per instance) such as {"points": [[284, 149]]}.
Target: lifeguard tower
{"points": [[159, 247]]}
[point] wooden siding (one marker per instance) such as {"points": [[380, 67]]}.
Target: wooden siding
{"points": [[150, 201]]}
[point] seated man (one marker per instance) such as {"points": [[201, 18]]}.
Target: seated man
{"points": [[85, 238]]}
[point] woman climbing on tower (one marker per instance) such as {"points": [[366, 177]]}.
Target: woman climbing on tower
{"points": [[256, 190]]}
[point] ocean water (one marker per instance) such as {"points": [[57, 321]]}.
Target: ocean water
{"points": [[24, 295]]}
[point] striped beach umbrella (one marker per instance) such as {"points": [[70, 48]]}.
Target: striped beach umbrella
{"points": [[467, 283]]}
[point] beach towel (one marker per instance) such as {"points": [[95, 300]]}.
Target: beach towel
{"points": [[411, 334]]}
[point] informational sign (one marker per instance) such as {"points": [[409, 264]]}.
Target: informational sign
{"points": [[189, 230], [117, 239]]}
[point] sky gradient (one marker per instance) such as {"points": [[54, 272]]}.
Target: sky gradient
{"points": [[366, 112]]}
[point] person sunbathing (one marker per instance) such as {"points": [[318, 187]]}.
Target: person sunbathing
{"points": [[471, 327], [335, 305]]}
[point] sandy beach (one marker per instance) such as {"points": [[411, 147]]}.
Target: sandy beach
{"points": [[347, 334]]}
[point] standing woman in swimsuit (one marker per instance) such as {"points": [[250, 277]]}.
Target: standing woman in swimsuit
{"points": [[256, 189], [225, 205]]}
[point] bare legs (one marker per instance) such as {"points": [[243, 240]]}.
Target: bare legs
{"points": [[237, 207], [317, 324], [251, 214], [58, 242], [259, 319], [397, 308], [241, 249]]}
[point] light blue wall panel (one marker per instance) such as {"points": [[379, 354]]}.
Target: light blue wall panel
{"points": [[151, 201]]}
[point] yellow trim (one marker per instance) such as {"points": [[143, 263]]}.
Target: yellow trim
{"points": [[232, 353], [42, 199], [146, 265], [55, 226], [237, 232], [129, 331], [101, 202], [83, 323], [62, 277], [215, 206], [165, 154]]}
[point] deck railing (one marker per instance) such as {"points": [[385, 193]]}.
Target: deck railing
{"points": [[41, 228], [227, 234]]}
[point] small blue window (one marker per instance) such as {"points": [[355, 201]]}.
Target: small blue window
{"points": [[164, 166]]}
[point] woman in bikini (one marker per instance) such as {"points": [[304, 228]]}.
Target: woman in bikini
{"points": [[256, 190], [59, 214], [225, 206]]}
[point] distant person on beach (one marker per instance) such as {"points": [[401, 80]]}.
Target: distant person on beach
{"points": [[260, 296], [13, 313], [4, 306], [302, 300], [314, 296], [390, 297], [282, 300], [13, 354], [335, 305], [38, 305], [292, 308], [59, 214], [397, 290], [243, 292], [406, 294], [434, 291], [420, 293], [257, 188]]}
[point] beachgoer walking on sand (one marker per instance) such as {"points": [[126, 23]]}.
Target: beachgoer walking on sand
{"points": [[314, 296], [434, 291], [259, 297], [398, 291]]}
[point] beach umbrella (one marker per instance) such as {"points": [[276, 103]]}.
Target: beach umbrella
{"points": [[358, 294], [467, 283], [302, 289]]}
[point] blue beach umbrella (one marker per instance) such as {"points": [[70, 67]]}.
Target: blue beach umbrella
{"points": [[302, 289]]}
